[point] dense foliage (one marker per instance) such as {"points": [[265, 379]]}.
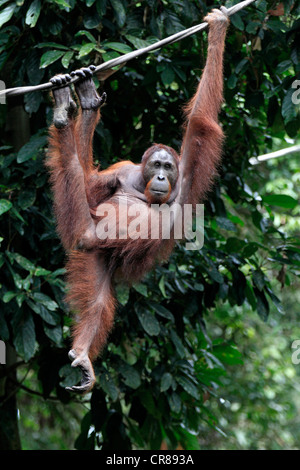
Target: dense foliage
{"points": [[159, 377]]}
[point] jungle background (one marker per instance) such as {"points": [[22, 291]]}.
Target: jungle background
{"points": [[201, 353]]}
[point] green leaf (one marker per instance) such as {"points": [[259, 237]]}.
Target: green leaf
{"points": [[235, 219], [188, 386], [276, 25], [52, 318], [238, 286], [23, 262], [32, 101], [228, 354], [168, 75], [232, 81], [118, 46], [17, 279], [148, 320], [262, 304], [34, 307], [21, 297], [52, 45], [62, 3], [275, 300], [259, 221], [31, 148], [50, 57], [66, 59], [293, 253], [237, 21], [174, 402], [110, 55], [281, 200], [178, 344], [24, 339], [199, 287], [58, 272], [122, 293], [140, 43], [225, 224], [252, 27], [6, 14], [33, 13], [166, 382], [91, 21], [234, 245], [161, 285], [101, 6], [108, 386], [148, 403], [241, 65], [8, 296], [250, 296], [45, 300], [120, 12], [212, 360], [162, 311], [41, 272], [141, 288], [87, 34], [215, 275], [131, 375], [250, 249], [55, 333], [85, 441], [188, 440], [172, 22], [18, 215], [289, 109], [284, 66], [259, 279], [5, 205], [86, 49], [27, 282], [181, 73]]}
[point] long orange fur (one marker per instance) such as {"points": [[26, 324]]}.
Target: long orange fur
{"points": [[79, 187]]}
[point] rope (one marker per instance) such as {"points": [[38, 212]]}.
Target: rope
{"points": [[278, 153], [131, 55]]}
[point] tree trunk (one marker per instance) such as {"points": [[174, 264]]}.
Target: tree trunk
{"points": [[18, 133], [9, 430]]}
